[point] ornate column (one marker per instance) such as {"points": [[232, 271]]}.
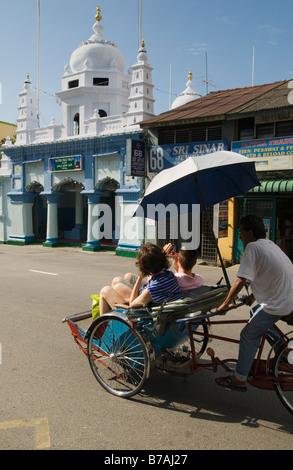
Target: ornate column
{"points": [[92, 243], [131, 228]]}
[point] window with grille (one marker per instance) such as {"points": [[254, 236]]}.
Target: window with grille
{"points": [[208, 247], [265, 130], [246, 129], [200, 133], [166, 136], [73, 84], [214, 133], [182, 135], [97, 81], [284, 129]]}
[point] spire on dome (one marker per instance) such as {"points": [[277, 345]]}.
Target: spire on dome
{"points": [[98, 29], [98, 15], [189, 94]]}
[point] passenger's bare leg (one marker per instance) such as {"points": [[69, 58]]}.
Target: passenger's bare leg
{"points": [[124, 291], [108, 298], [116, 280]]}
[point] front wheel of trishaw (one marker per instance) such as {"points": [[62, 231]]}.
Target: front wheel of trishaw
{"points": [[282, 368], [118, 356]]}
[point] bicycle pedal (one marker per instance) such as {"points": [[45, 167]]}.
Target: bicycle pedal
{"points": [[211, 352]]}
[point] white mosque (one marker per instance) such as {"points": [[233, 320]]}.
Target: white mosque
{"points": [[54, 178], [98, 96]]}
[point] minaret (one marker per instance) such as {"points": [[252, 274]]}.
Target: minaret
{"points": [[27, 113], [141, 102]]}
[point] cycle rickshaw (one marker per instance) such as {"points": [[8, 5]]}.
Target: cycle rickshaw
{"points": [[126, 345]]}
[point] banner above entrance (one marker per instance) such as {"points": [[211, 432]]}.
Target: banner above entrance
{"points": [[66, 163], [269, 154]]}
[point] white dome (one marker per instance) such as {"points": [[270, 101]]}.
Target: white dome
{"points": [[188, 95], [97, 56], [97, 53]]}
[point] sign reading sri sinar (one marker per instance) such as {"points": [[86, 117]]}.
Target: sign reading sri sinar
{"points": [[166, 156]]}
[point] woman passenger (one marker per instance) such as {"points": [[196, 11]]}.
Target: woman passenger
{"points": [[162, 285]]}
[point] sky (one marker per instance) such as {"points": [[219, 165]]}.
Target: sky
{"points": [[215, 39]]}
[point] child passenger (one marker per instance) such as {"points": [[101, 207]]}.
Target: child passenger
{"points": [[184, 261]]}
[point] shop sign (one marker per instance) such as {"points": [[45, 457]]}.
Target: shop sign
{"points": [[223, 219], [263, 148], [166, 156], [135, 158], [71, 163]]}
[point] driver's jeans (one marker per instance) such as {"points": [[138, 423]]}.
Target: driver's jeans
{"points": [[250, 339]]}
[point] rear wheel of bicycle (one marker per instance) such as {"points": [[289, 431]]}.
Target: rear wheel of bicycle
{"points": [[118, 356], [282, 368]]}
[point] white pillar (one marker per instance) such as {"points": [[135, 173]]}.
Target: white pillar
{"points": [[92, 243], [52, 219]]}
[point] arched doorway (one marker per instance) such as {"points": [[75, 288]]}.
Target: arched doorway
{"points": [[39, 210], [108, 187], [72, 217]]}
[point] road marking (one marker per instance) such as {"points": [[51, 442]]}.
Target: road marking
{"points": [[41, 426], [43, 272]]}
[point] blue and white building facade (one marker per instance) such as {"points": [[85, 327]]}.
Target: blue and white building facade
{"points": [[71, 180]]}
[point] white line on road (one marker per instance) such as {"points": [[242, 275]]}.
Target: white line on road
{"points": [[43, 272]]}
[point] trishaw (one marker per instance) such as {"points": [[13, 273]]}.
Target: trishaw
{"points": [[125, 346]]}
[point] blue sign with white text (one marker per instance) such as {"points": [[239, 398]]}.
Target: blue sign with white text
{"points": [[166, 156]]}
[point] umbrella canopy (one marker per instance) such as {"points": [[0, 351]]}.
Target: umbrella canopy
{"points": [[205, 180]]}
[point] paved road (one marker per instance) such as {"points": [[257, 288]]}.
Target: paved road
{"points": [[49, 398]]}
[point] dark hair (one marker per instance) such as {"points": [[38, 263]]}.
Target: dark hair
{"points": [[151, 259], [255, 224], [187, 258]]}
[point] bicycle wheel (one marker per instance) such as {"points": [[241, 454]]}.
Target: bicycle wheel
{"points": [[282, 368], [118, 356], [200, 340]]}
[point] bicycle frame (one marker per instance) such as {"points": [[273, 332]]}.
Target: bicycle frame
{"points": [[260, 375]]}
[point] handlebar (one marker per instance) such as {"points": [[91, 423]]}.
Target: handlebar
{"points": [[242, 300]]}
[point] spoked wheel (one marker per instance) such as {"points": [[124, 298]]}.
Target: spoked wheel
{"points": [[118, 356], [282, 368], [200, 340]]}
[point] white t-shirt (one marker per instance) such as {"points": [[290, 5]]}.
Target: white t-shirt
{"points": [[271, 274]]}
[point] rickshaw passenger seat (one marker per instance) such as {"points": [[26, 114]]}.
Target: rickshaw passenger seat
{"points": [[188, 307]]}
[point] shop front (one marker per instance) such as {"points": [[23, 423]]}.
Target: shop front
{"points": [[273, 199]]}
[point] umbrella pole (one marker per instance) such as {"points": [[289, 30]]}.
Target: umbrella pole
{"points": [[217, 246]]}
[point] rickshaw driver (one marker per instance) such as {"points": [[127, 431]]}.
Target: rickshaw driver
{"points": [[270, 272]]}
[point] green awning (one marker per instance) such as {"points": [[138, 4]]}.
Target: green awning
{"points": [[273, 186]]}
